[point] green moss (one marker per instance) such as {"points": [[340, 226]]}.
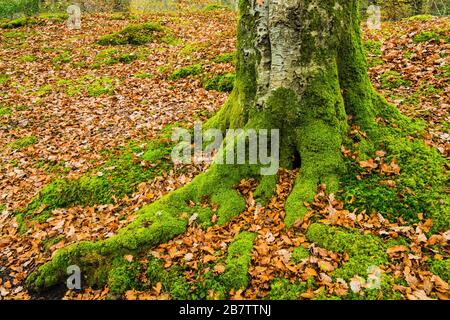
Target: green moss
{"points": [[118, 177], [173, 282], [22, 143], [5, 111], [283, 289], [220, 82], [238, 261], [18, 23], [441, 268], [374, 53], [420, 17], [191, 70], [28, 58], [426, 36], [418, 189], [265, 189], [135, 34], [113, 56], [224, 58], [193, 47], [123, 276], [392, 79], [214, 7], [364, 250], [299, 254], [104, 85], [143, 75], [4, 78], [58, 17], [63, 57], [15, 35]]}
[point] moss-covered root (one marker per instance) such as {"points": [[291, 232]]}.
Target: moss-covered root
{"points": [[238, 261]]}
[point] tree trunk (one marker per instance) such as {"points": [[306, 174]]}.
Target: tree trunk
{"points": [[301, 69]]}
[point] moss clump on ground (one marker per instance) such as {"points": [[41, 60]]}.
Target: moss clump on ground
{"points": [[135, 34], [426, 36], [22, 143], [224, 57], [238, 261], [419, 188], [173, 281], [373, 52], [441, 268], [392, 79], [4, 78], [283, 289], [113, 56], [124, 275], [18, 23], [299, 254], [180, 73], [220, 82], [364, 250], [5, 111]]}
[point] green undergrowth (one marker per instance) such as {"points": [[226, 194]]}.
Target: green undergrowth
{"points": [[426, 36], [19, 22], [135, 34], [113, 56], [119, 176], [89, 85]]}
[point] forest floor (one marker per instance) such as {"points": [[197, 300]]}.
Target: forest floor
{"points": [[74, 110]]}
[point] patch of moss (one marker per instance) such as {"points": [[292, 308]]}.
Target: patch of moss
{"points": [[441, 268], [220, 82], [18, 23], [238, 261], [193, 47], [373, 52], [4, 78], [143, 75], [118, 177], [123, 276], [224, 57], [283, 289], [191, 70], [214, 7], [22, 143], [28, 58], [299, 254], [420, 17], [392, 79], [58, 17], [113, 56], [5, 111], [63, 57], [426, 36], [135, 34], [364, 250], [173, 282]]}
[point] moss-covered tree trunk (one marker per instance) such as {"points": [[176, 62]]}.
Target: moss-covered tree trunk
{"points": [[300, 69]]}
